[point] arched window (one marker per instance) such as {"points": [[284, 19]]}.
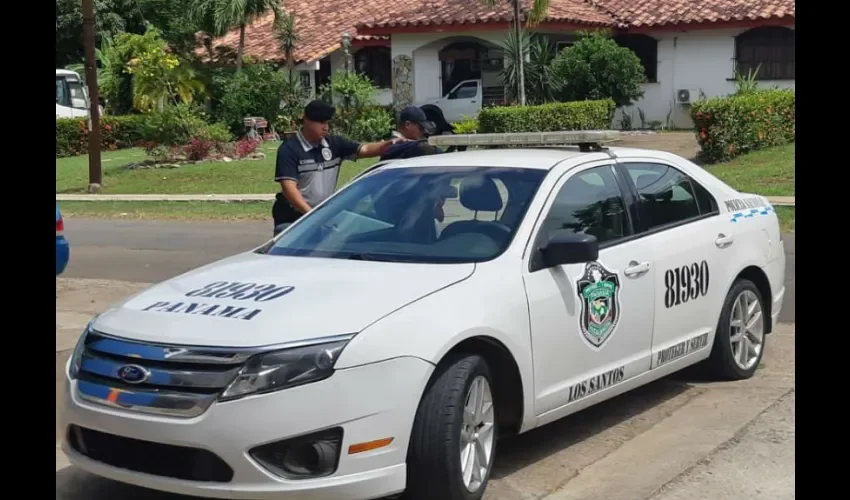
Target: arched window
{"points": [[376, 63], [770, 50]]}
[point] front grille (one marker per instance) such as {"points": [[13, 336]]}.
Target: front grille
{"points": [[161, 379], [178, 462]]}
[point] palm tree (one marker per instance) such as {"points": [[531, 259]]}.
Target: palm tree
{"points": [[288, 38], [539, 9], [229, 13]]}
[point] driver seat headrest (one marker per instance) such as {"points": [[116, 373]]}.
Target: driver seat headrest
{"points": [[480, 194]]}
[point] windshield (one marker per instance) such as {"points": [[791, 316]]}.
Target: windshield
{"points": [[424, 215], [77, 94]]}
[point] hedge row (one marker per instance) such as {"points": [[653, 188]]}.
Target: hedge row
{"points": [[577, 115], [116, 132], [730, 126]]}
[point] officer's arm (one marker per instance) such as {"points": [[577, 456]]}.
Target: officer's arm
{"points": [[353, 149], [286, 173], [293, 195], [373, 149]]}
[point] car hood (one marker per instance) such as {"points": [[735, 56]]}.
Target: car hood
{"points": [[254, 300]]}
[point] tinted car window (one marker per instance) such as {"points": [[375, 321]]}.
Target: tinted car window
{"points": [[589, 202], [666, 194]]}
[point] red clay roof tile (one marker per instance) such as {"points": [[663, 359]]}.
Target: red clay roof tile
{"points": [[459, 12], [648, 13], [320, 24]]}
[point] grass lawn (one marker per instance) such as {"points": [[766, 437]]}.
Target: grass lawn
{"points": [[769, 172], [237, 177]]}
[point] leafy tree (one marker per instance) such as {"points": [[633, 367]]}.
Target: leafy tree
{"points": [[258, 90], [178, 29], [159, 77], [227, 14], [595, 67], [112, 17], [539, 10]]}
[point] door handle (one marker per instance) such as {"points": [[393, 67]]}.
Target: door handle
{"points": [[724, 241], [472, 101], [636, 269]]}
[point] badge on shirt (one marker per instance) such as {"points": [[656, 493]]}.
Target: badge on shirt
{"points": [[326, 154]]}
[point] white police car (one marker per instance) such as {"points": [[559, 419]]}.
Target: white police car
{"points": [[383, 342]]}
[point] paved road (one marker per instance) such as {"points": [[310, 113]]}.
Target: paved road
{"points": [[152, 251]]}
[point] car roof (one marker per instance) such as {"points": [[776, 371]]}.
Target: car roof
{"points": [[536, 158], [543, 158]]}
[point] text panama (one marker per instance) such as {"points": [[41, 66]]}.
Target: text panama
{"points": [[201, 309]]}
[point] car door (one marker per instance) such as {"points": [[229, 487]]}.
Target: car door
{"points": [[591, 323], [679, 219], [463, 101]]}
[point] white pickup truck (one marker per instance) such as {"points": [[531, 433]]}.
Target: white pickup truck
{"points": [[466, 99]]}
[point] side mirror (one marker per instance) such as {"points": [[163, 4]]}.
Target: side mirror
{"points": [[566, 247]]}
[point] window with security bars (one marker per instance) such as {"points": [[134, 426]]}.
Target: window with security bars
{"points": [[767, 52], [375, 63]]}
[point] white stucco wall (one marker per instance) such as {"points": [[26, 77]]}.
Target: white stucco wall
{"points": [[702, 59]]}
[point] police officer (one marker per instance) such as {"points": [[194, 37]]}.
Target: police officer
{"points": [[414, 126], [308, 163]]}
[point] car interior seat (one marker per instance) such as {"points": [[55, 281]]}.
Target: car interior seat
{"points": [[478, 194]]}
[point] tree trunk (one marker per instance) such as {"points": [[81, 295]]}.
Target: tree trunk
{"points": [[240, 53], [95, 170], [521, 50]]}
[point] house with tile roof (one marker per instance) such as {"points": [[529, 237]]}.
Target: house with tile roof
{"points": [[419, 50]]}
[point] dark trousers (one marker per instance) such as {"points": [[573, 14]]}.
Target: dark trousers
{"points": [[282, 211]]}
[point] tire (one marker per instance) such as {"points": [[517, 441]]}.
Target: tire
{"points": [[722, 362], [434, 461]]}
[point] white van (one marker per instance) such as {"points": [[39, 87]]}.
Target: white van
{"points": [[72, 98]]}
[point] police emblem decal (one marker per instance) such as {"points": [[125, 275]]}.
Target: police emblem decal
{"points": [[326, 154], [598, 290]]}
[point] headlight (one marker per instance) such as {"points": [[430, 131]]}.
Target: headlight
{"points": [[276, 370], [77, 354]]}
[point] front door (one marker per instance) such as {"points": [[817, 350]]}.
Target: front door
{"points": [[591, 323], [680, 219]]}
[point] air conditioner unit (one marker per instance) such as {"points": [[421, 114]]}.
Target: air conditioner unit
{"points": [[687, 96]]}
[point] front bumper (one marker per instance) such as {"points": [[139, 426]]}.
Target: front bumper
{"points": [[370, 403]]}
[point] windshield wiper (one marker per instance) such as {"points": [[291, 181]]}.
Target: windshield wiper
{"points": [[366, 256]]}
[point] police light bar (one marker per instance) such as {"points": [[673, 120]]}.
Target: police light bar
{"points": [[557, 138]]}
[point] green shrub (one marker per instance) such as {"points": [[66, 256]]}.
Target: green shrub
{"points": [[257, 90], [595, 67], [466, 126], [370, 124], [730, 126], [116, 132], [175, 126], [578, 115]]}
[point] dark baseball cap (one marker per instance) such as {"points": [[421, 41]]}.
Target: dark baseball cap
{"points": [[416, 115], [319, 111]]}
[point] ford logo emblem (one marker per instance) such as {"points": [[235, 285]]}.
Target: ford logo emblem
{"points": [[133, 374]]}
